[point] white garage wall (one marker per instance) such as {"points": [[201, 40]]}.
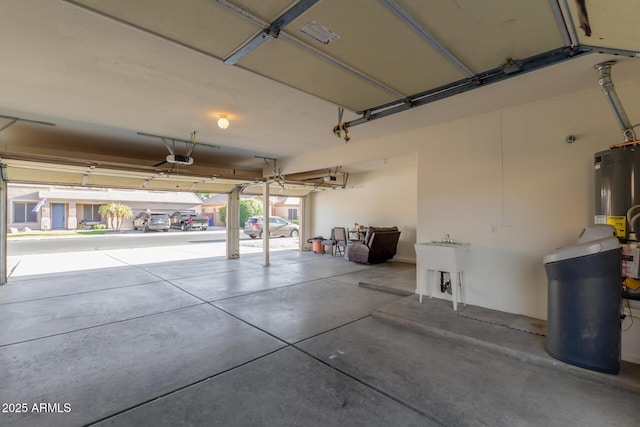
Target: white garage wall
{"points": [[385, 197], [504, 181], [512, 187]]}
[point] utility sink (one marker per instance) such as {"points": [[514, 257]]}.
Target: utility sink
{"points": [[441, 256], [446, 256]]}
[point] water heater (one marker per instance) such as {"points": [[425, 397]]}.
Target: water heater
{"points": [[617, 188]]}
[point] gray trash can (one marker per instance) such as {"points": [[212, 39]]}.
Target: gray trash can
{"points": [[583, 313]]}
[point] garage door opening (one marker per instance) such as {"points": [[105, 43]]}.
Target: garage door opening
{"points": [[54, 229]]}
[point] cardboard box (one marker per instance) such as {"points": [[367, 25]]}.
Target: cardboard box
{"points": [[630, 262]]}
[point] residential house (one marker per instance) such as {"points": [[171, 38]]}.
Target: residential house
{"points": [[46, 207]]}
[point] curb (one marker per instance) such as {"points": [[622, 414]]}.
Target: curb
{"points": [[386, 289], [545, 362]]}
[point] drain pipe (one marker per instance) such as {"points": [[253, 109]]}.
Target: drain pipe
{"points": [[606, 83]]}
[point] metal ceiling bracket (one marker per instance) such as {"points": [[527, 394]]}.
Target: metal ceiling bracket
{"points": [[562, 25], [9, 123], [481, 79], [273, 30], [511, 66], [239, 11], [266, 160], [277, 176], [193, 143], [166, 139], [274, 171], [565, 17], [415, 26], [13, 120], [610, 51], [247, 48], [168, 146]]}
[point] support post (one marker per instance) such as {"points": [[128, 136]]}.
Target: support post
{"points": [[3, 226], [233, 226], [306, 224], [265, 223]]}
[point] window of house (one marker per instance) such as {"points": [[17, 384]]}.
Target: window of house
{"points": [[293, 214], [90, 213], [23, 212]]}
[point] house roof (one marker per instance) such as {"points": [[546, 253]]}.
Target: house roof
{"points": [[218, 199]]}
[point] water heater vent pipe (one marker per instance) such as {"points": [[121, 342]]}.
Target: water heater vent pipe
{"points": [[606, 83]]}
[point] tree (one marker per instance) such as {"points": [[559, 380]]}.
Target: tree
{"points": [[248, 208], [122, 212], [116, 214], [222, 211], [109, 212]]}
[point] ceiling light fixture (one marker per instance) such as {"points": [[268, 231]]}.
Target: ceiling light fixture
{"points": [[223, 122]]}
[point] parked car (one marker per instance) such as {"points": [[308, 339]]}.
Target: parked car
{"points": [[187, 220], [277, 227], [151, 221]]}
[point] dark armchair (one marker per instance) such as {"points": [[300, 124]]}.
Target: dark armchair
{"points": [[379, 245]]}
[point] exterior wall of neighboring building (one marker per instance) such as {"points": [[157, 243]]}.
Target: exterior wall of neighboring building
{"points": [[211, 208], [21, 200], [58, 207], [284, 207], [287, 208]]}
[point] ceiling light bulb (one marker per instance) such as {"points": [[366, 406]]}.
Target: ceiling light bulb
{"points": [[223, 122]]}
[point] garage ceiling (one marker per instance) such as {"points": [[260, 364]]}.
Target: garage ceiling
{"points": [[105, 71]]}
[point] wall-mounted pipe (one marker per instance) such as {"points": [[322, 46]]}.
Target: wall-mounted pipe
{"points": [[606, 83]]}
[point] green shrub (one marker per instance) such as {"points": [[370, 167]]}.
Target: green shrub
{"points": [[248, 208], [99, 226]]}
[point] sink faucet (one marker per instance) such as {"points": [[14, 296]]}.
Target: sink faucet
{"points": [[448, 239]]}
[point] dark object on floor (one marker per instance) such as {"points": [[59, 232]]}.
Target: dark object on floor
{"points": [[584, 298], [379, 245]]}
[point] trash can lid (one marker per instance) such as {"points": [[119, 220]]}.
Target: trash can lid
{"points": [[596, 232], [583, 249]]}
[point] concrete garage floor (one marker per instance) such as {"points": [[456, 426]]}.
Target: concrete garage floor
{"points": [[212, 341]]}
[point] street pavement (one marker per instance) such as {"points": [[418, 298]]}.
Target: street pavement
{"points": [[60, 261]]}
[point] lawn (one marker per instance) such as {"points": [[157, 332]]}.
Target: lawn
{"points": [[58, 233]]}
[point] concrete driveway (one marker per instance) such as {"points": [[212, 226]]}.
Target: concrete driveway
{"points": [[58, 262]]}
